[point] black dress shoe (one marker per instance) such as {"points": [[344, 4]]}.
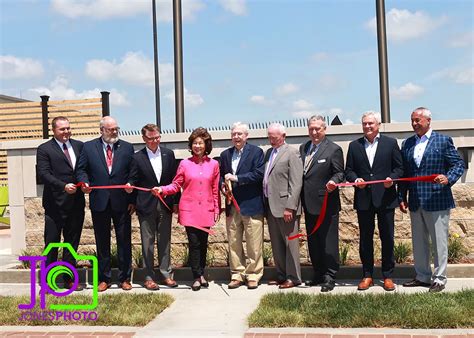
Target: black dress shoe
{"points": [[415, 282], [314, 282], [328, 286], [436, 287]]}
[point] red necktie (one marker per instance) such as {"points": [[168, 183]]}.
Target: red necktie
{"points": [[66, 152], [109, 157]]}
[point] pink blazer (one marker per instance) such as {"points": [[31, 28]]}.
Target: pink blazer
{"points": [[199, 183]]}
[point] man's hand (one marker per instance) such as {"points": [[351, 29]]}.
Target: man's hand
{"points": [[331, 186], [403, 207], [360, 183], [85, 188], [128, 190], [131, 209], [230, 177], [288, 215], [441, 179], [70, 188], [388, 184]]}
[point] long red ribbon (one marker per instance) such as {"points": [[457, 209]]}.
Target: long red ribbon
{"points": [[322, 213]]}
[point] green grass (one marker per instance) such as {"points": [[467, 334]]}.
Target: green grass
{"points": [[113, 310], [410, 311]]}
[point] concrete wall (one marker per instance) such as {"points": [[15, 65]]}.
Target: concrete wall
{"points": [[27, 214]]}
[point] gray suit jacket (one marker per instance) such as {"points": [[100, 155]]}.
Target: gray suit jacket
{"points": [[285, 180]]}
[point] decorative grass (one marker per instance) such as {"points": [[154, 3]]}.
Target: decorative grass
{"points": [[122, 309], [398, 310]]}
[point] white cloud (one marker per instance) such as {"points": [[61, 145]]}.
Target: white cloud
{"points": [[260, 100], [302, 105], [59, 90], [302, 114], [12, 67], [134, 68], [191, 100], [404, 25], [106, 9], [237, 7], [331, 82], [462, 40], [457, 75], [320, 56], [407, 92], [287, 88]]}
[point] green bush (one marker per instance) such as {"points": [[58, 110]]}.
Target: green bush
{"points": [[344, 253], [402, 251], [456, 248]]}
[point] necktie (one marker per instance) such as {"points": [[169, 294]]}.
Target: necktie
{"points": [[109, 157], [267, 172], [309, 158], [66, 152]]}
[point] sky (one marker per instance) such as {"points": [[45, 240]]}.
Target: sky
{"points": [[244, 60]]}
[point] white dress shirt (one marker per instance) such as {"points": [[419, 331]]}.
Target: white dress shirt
{"points": [[155, 160], [236, 156], [371, 148], [420, 147], [69, 149]]}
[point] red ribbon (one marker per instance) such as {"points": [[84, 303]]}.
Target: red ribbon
{"points": [[322, 213]]}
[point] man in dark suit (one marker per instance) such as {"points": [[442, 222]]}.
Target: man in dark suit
{"points": [[107, 161], [152, 167], [63, 203], [429, 153], [375, 157], [282, 183], [323, 168], [241, 167]]}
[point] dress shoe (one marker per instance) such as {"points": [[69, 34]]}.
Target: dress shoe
{"points": [[315, 282], [388, 284], [234, 284], [204, 282], [151, 285], [169, 282], [196, 285], [276, 282], [125, 285], [288, 284], [328, 286], [68, 285], [436, 287], [415, 282], [103, 286], [365, 283], [252, 284]]}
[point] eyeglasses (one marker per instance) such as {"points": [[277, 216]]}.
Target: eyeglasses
{"points": [[111, 130], [156, 138]]}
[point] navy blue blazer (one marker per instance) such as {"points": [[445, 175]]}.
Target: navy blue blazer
{"points": [[387, 163], [92, 169], [440, 157], [248, 191]]}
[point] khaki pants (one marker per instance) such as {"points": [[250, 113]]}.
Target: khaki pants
{"points": [[245, 267]]}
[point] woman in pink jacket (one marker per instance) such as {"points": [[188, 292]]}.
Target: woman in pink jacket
{"points": [[198, 180]]}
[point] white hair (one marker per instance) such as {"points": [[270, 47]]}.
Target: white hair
{"points": [[424, 111], [106, 119], [375, 114], [281, 128], [317, 118], [243, 126]]}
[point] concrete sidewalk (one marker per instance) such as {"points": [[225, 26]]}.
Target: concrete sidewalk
{"points": [[219, 312]]}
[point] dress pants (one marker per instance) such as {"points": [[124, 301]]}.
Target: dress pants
{"points": [[245, 266], [323, 246], [385, 221], [286, 253], [156, 227], [102, 231], [434, 225], [197, 250], [70, 226]]}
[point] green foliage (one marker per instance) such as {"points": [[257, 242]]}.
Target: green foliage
{"points": [[267, 254], [402, 251], [344, 253], [32, 251], [137, 256], [114, 256], [456, 248]]}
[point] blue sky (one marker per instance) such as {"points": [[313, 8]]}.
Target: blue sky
{"points": [[257, 60]]}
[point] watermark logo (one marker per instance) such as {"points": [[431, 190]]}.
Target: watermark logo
{"points": [[48, 284]]}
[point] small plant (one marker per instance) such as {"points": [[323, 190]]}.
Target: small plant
{"points": [[267, 254], [456, 248], [401, 251], [114, 256], [29, 252], [137, 257], [344, 253], [211, 256]]}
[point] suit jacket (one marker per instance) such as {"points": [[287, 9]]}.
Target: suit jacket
{"points": [[55, 172], [92, 169], [142, 175], [387, 163], [440, 157], [285, 180], [248, 190], [327, 165], [200, 198]]}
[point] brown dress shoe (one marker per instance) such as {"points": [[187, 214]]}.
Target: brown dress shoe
{"points": [[252, 284], [276, 282], [125, 285], [171, 283], [151, 285], [287, 284], [70, 284], [365, 284], [388, 284], [234, 284], [103, 286]]}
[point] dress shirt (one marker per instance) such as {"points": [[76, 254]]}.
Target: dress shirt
{"points": [[104, 148], [312, 150], [155, 160], [69, 149], [420, 147], [371, 148], [236, 156]]}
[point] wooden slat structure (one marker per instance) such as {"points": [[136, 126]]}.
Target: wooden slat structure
{"points": [[24, 120]]}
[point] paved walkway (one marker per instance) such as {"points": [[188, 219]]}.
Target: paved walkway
{"points": [[219, 312]]}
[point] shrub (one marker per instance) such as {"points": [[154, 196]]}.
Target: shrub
{"points": [[137, 256], [344, 253], [456, 248], [267, 254], [402, 251]]}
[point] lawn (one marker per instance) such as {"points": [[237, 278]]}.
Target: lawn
{"points": [[397, 310], [113, 310]]}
